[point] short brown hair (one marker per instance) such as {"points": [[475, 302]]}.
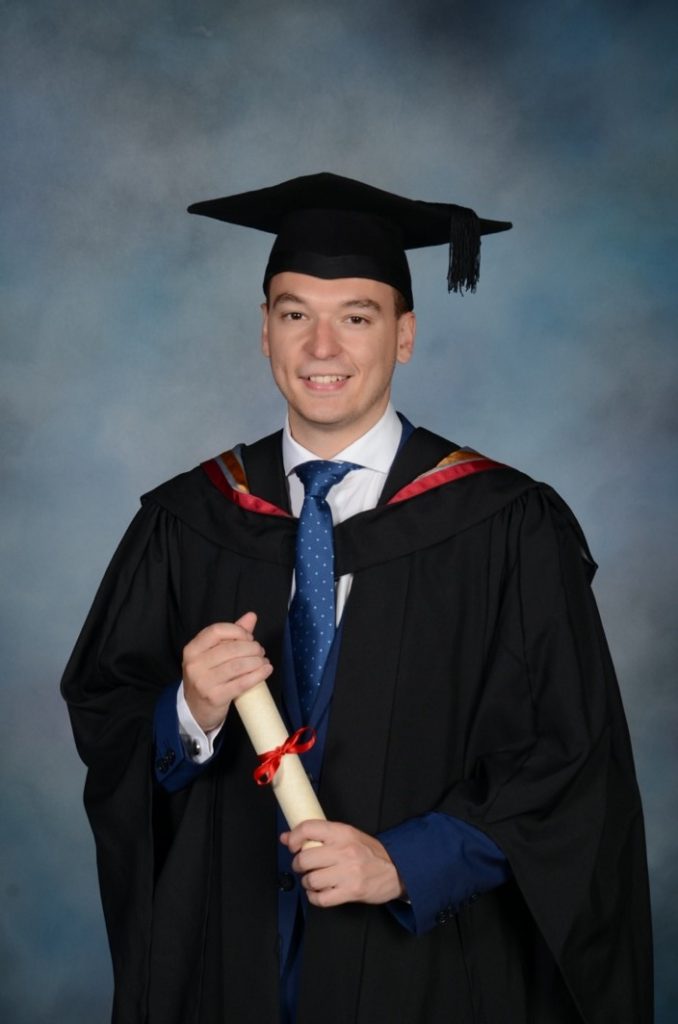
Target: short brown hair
{"points": [[401, 304]]}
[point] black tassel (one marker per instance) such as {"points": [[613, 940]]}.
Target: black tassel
{"points": [[464, 265]]}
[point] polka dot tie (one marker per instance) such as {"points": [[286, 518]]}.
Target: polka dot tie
{"points": [[312, 612]]}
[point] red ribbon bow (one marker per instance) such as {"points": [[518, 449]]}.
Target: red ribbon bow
{"points": [[270, 761]]}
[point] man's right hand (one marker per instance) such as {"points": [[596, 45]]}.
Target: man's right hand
{"points": [[219, 664]]}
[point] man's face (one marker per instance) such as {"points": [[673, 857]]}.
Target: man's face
{"points": [[333, 346]]}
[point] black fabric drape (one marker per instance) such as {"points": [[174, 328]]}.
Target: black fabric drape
{"points": [[473, 678]]}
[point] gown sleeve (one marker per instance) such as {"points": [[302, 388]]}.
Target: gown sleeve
{"points": [[129, 649], [127, 654], [550, 776]]}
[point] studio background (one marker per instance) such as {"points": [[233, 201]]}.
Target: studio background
{"points": [[130, 344]]}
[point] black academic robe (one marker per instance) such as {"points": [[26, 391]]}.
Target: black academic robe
{"points": [[473, 679]]}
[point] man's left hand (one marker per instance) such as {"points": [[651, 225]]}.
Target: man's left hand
{"points": [[350, 866]]}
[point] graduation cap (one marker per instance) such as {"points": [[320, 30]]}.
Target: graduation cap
{"points": [[330, 227]]}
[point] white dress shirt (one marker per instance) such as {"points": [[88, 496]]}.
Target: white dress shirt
{"points": [[358, 491]]}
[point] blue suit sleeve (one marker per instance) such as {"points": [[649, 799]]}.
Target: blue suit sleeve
{"points": [[445, 865], [173, 767]]}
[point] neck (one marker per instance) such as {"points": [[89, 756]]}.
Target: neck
{"points": [[327, 443], [327, 439]]}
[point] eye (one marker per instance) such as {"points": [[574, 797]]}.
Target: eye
{"points": [[356, 318], [293, 314]]}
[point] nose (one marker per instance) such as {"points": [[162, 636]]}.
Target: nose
{"points": [[322, 340]]}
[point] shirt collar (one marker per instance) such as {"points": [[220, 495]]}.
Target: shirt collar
{"points": [[375, 450]]}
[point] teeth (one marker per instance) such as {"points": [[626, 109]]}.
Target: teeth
{"points": [[326, 378]]}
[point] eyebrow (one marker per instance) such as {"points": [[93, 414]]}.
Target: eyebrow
{"points": [[287, 297], [363, 304], [359, 303]]}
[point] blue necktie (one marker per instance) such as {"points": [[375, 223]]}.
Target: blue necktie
{"points": [[312, 612]]}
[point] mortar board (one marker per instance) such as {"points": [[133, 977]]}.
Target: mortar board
{"points": [[331, 227]]}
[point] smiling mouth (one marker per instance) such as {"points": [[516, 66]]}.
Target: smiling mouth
{"points": [[326, 378]]}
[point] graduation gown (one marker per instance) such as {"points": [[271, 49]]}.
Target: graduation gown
{"points": [[473, 679]]}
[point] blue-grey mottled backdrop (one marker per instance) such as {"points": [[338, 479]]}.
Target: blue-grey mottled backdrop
{"points": [[130, 342]]}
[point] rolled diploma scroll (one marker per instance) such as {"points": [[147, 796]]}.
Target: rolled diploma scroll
{"points": [[266, 730]]}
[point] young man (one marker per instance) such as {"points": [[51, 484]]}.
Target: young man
{"points": [[428, 612]]}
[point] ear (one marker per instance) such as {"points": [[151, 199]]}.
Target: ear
{"points": [[407, 328], [264, 330]]}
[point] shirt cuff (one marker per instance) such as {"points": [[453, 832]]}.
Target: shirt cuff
{"points": [[174, 768], [445, 865], [198, 744]]}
